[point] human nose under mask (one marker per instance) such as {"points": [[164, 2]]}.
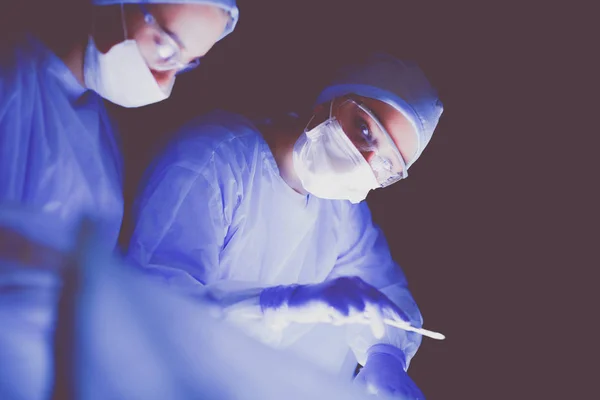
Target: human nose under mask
{"points": [[329, 166], [122, 76]]}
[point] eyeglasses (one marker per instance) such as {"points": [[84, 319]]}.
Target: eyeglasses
{"points": [[160, 49], [371, 138]]}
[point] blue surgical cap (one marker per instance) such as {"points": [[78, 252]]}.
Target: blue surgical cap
{"points": [[227, 5], [400, 84]]}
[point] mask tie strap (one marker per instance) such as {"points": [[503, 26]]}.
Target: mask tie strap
{"points": [[308, 124], [123, 24], [313, 117], [331, 109]]}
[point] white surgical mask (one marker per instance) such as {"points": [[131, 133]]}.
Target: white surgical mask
{"points": [[122, 76], [330, 167]]}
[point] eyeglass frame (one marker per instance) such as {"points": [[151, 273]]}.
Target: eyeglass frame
{"points": [[173, 42], [360, 104]]}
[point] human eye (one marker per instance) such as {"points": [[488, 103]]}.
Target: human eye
{"points": [[365, 131]]}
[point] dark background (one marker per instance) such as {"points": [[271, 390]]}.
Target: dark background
{"points": [[470, 228]]}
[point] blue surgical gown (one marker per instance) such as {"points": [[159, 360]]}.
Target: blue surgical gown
{"points": [[29, 293], [59, 160], [215, 209], [58, 149]]}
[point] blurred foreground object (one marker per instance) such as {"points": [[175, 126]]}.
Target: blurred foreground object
{"points": [[30, 285], [118, 335], [136, 340]]}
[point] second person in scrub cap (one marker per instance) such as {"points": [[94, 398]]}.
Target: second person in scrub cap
{"points": [[59, 153], [158, 39], [232, 204]]}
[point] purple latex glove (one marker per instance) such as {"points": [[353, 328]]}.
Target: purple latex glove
{"points": [[384, 373], [339, 301]]}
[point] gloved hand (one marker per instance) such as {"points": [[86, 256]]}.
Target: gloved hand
{"points": [[340, 301], [384, 373]]}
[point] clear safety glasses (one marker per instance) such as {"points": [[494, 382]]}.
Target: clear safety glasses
{"points": [[374, 142], [161, 50]]}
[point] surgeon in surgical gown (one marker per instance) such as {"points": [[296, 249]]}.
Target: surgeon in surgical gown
{"points": [[59, 152], [280, 207]]}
